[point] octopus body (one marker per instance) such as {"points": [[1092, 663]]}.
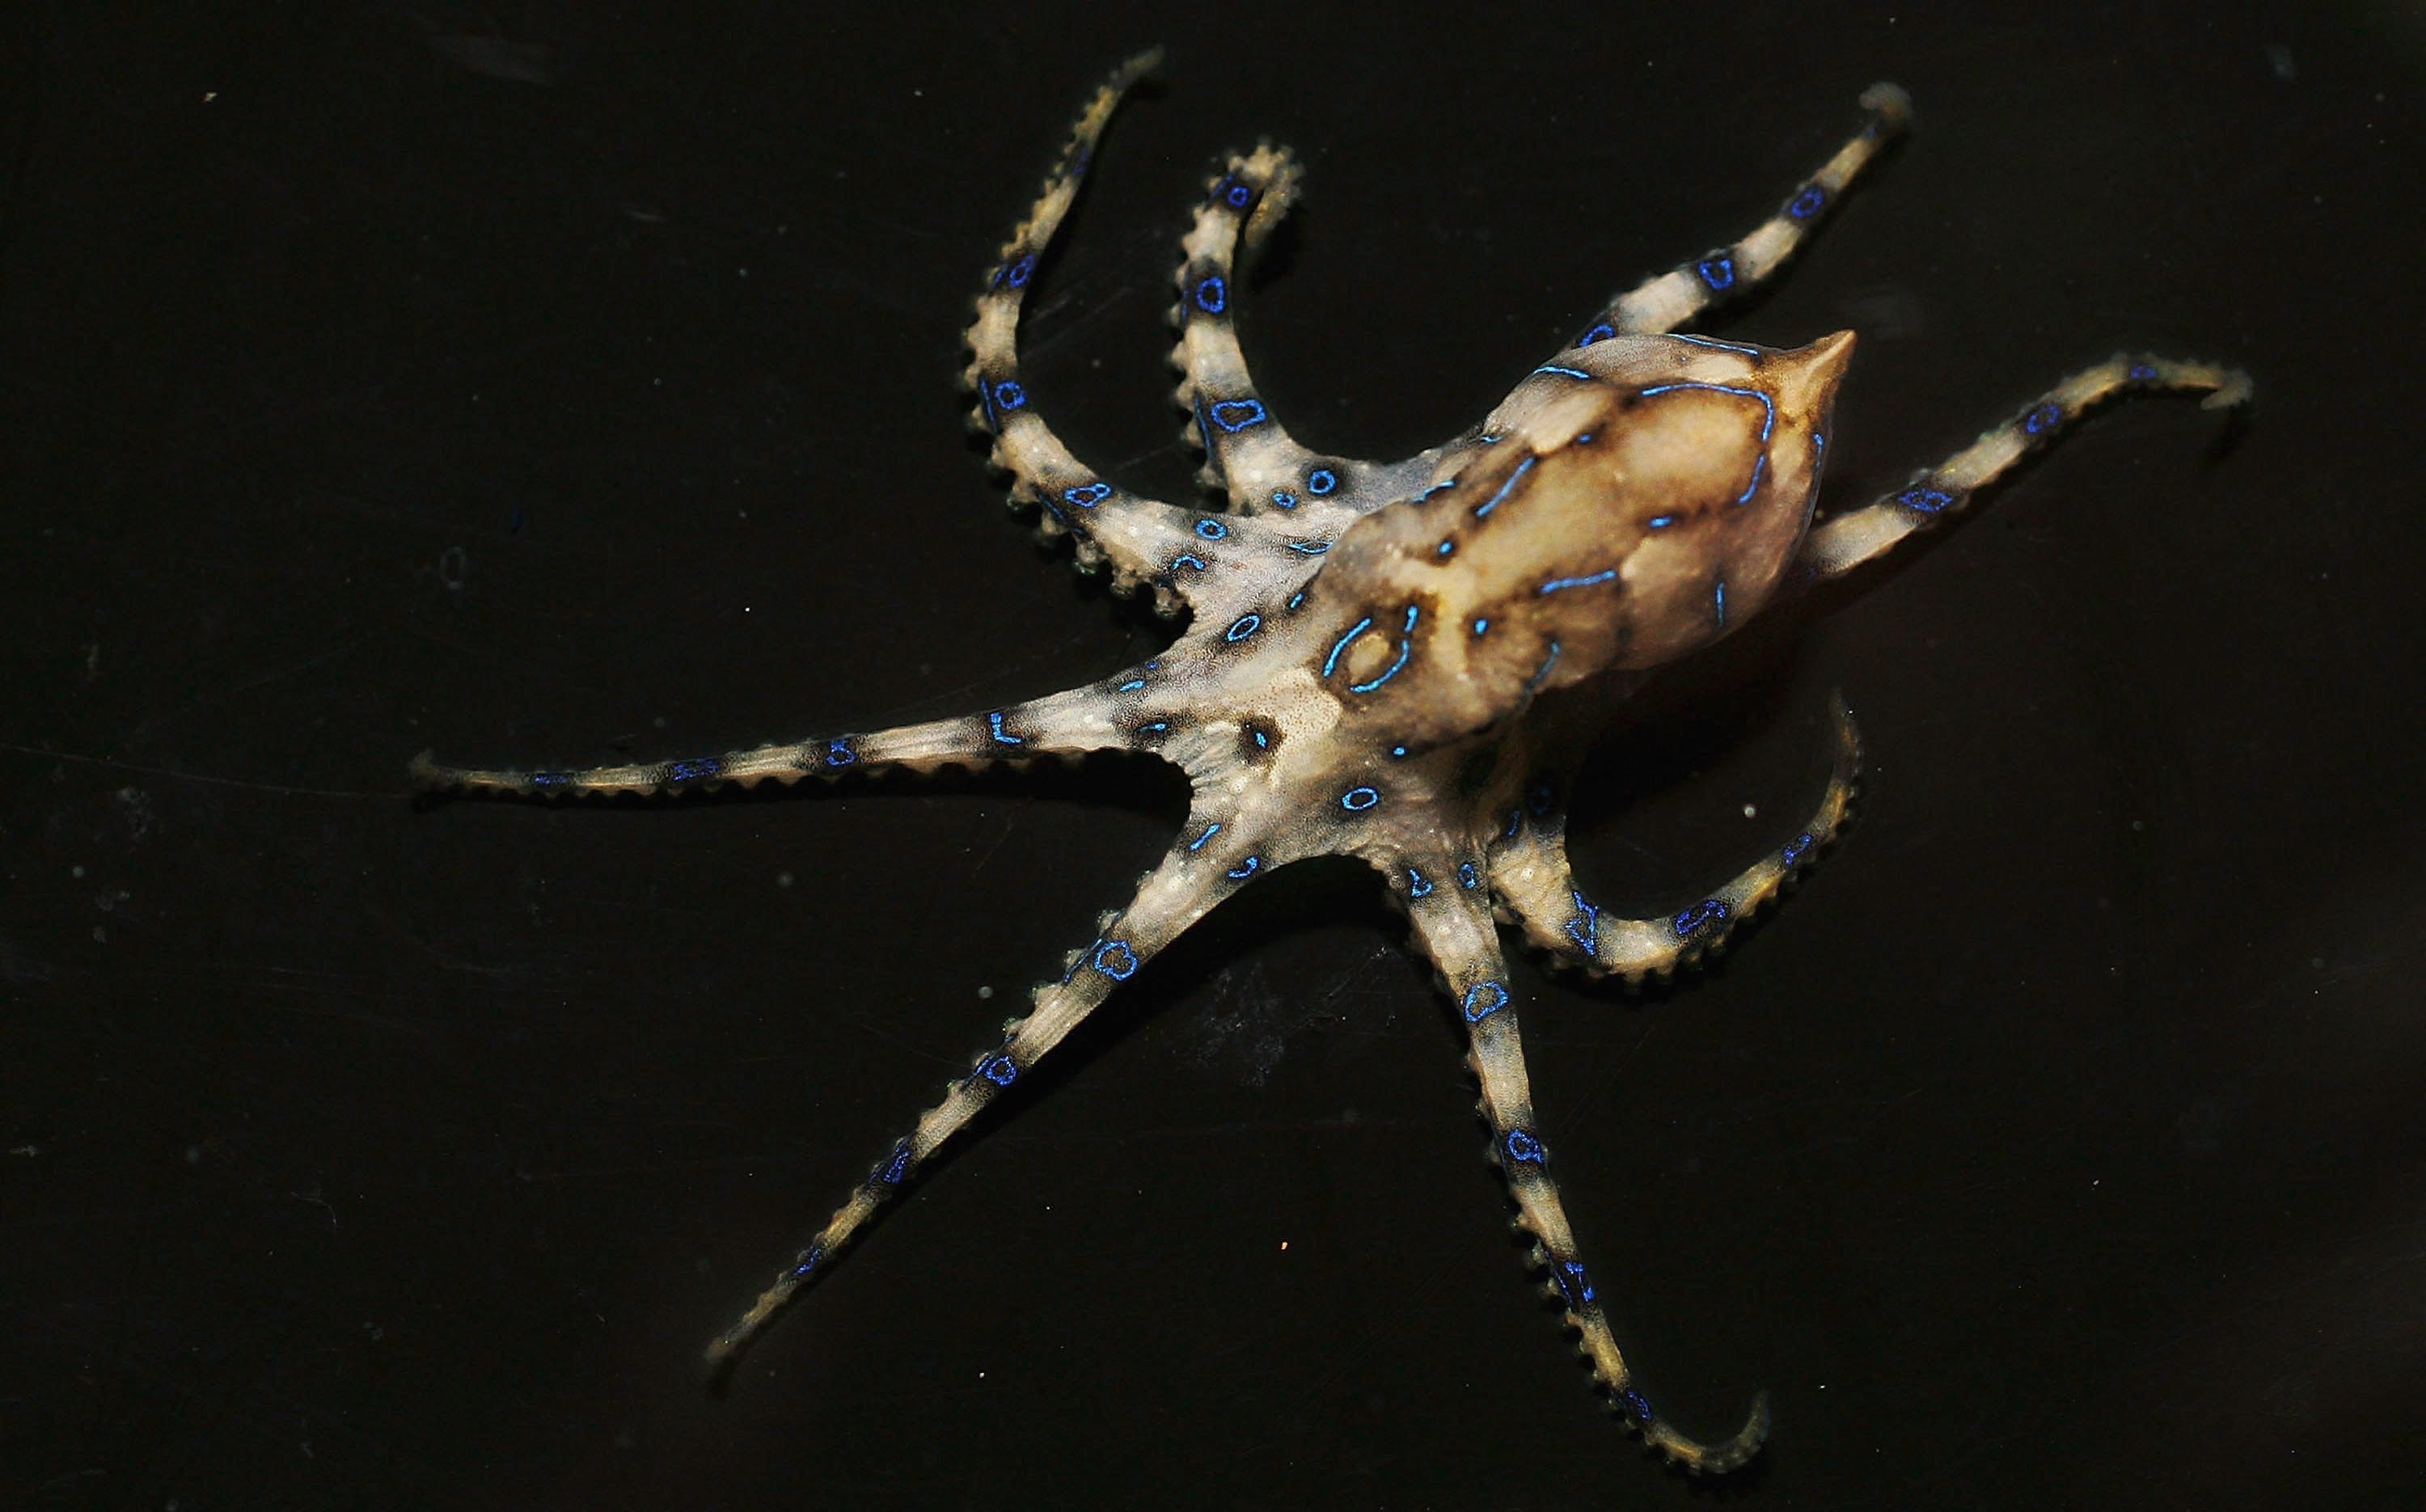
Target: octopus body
{"points": [[1404, 662]]}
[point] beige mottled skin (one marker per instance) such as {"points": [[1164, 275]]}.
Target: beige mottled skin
{"points": [[1403, 661]]}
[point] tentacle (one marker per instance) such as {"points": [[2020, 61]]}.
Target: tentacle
{"points": [[1082, 719], [1454, 925], [1528, 873], [1185, 885], [1668, 300], [1856, 536], [1248, 452], [1138, 538]]}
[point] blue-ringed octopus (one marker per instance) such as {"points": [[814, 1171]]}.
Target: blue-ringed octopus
{"points": [[1404, 662]]}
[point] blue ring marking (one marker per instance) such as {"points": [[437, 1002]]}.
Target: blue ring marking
{"points": [[1282, 498], [1418, 885], [1245, 625], [1586, 438], [1481, 625], [1297, 598], [1262, 738], [1239, 195], [1767, 404], [1759, 465], [1719, 601], [1000, 1070], [1571, 1282], [1002, 736], [1712, 341], [1513, 478], [1526, 1148], [1131, 686], [1482, 1000], [1468, 876], [2039, 420], [1659, 522], [1212, 294], [1116, 960], [1449, 482], [1358, 800], [1807, 204], [1157, 727], [1088, 495], [896, 1167], [1600, 332], [1211, 529], [1331, 663], [1187, 559], [1444, 548], [1016, 275], [1399, 754], [1412, 614], [1488, 440], [1078, 957], [1395, 668], [1515, 822], [1636, 1405], [1563, 372], [1794, 849], [1008, 395], [1244, 869], [1926, 500], [1718, 270], [2142, 370], [1542, 673], [550, 778], [808, 1261], [692, 770], [1210, 830], [1558, 584], [1310, 548], [1321, 480], [840, 752], [1696, 917], [1248, 412], [1584, 928]]}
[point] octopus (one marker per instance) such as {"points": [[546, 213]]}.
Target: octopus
{"points": [[1405, 662]]}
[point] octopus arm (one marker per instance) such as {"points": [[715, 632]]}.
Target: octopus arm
{"points": [[1182, 888], [1530, 877], [1454, 928], [1668, 300], [1070, 723], [1137, 538], [1248, 455], [1860, 535]]}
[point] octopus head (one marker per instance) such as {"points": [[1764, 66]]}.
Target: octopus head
{"points": [[1622, 509]]}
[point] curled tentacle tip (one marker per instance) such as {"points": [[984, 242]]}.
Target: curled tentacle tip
{"points": [[1889, 103], [1712, 1458], [2234, 390]]}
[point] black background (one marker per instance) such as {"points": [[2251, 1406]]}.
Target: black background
{"points": [[543, 381]]}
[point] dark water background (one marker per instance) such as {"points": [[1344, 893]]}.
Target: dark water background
{"points": [[542, 381]]}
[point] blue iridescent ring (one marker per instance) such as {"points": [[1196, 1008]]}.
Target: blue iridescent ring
{"points": [[1484, 999]]}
